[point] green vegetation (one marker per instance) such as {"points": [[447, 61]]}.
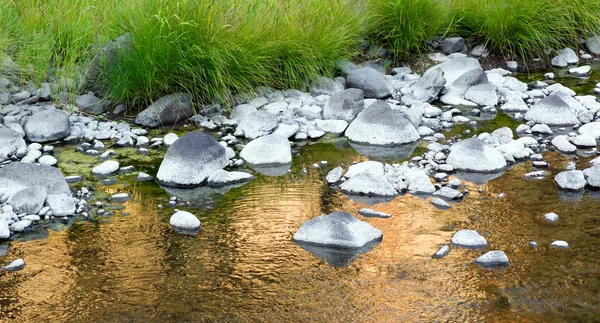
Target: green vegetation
{"points": [[213, 49]]}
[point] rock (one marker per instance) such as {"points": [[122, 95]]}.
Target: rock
{"points": [[493, 259], [455, 91], [89, 103], [287, 130], [20, 226], [572, 180], [427, 88], [337, 229], [143, 177], [334, 175], [551, 217], [186, 221], [106, 58], [592, 176], [592, 129], [222, 178], [167, 110], [512, 65], [440, 204], [368, 184], [47, 125], [10, 142], [106, 168], [482, 94], [542, 129], [324, 86], [4, 229], [419, 182], [257, 124], [373, 214], [373, 167], [473, 155], [16, 265], [580, 71], [563, 145], [381, 125], [457, 67], [344, 105], [373, 83], [568, 55], [47, 160], [515, 104], [468, 239], [170, 139], [442, 252], [191, 160], [592, 44], [560, 244], [585, 141], [17, 176], [335, 127], [268, 151], [29, 200], [448, 193], [120, 197], [452, 45], [240, 112]]}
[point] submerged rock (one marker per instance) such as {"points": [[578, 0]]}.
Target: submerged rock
{"points": [[381, 125], [183, 220], [494, 258], [469, 239], [47, 125], [474, 155], [551, 217], [167, 110], [440, 204], [560, 244], [337, 229], [191, 159]]}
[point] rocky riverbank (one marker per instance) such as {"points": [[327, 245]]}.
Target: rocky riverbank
{"points": [[384, 117]]}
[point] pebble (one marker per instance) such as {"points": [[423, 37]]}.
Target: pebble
{"points": [[551, 217], [560, 244]]}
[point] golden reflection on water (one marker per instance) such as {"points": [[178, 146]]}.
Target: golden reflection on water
{"points": [[243, 266]]}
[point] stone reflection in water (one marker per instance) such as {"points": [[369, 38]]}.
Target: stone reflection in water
{"points": [[477, 178], [335, 256], [275, 170], [200, 193], [382, 152]]}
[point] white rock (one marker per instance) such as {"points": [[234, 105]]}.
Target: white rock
{"points": [[120, 197], [551, 217], [373, 214], [474, 155], [560, 244], [572, 180], [563, 145], [334, 175], [468, 239], [268, 150], [14, 266], [440, 204], [185, 221], [373, 167], [106, 168], [442, 252], [368, 184], [493, 258]]}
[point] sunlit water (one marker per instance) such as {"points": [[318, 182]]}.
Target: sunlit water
{"points": [[244, 267]]}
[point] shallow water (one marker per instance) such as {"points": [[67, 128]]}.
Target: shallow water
{"points": [[243, 266]]}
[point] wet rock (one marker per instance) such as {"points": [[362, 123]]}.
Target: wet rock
{"points": [[17, 176], [368, 184], [334, 175], [373, 83], [546, 111], [191, 160], [186, 221], [440, 204], [572, 180], [257, 124], [560, 244], [337, 229], [143, 177], [29, 200], [268, 150], [468, 239], [373, 214], [473, 155], [221, 178], [10, 142], [493, 259], [442, 252], [381, 125], [344, 105], [47, 125], [16, 265], [167, 110], [106, 168]]}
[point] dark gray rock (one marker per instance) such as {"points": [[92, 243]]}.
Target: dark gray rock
{"points": [[372, 82], [167, 110], [191, 159], [452, 45], [47, 125], [91, 104]]}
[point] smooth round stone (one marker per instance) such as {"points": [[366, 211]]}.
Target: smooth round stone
{"points": [[185, 221], [442, 252], [474, 155], [572, 180], [469, 239], [493, 259], [106, 168], [551, 217], [560, 244], [440, 204], [120, 197], [14, 266]]}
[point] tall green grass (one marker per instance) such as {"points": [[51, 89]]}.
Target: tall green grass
{"points": [[405, 26]]}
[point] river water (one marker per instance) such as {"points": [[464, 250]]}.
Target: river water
{"points": [[243, 266]]}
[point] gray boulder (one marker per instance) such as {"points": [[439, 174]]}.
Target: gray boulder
{"points": [[592, 44], [474, 155], [91, 104], [191, 160], [269, 150], [571, 180], [257, 124], [10, 142], [47, 125], [369, 184], [381, 125], [29, 200], [17, 176], [427, 88], [482, 94], [373, 83], [452, 45], [337, 229], [324, 86], [553, 111], [592, 176], [469, 239], [344, 105], [167, 110], [456, 67], [455, 91]]}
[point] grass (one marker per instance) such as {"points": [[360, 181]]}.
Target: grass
{"points": [[405, 26], [215, 49]]}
